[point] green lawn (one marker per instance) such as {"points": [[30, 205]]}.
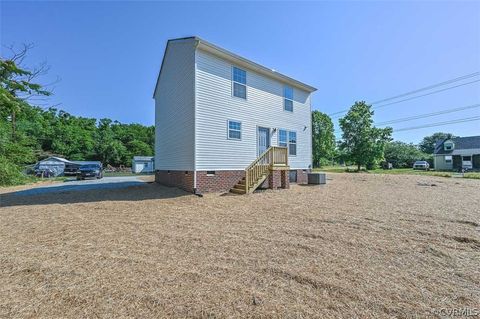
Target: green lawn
{"points": [[395, 171]]}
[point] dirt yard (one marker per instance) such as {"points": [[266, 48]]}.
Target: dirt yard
{"points": [[361, 246]]}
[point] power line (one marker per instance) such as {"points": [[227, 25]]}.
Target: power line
{"points": [[420, 90], [430, 93], [467, 119], [421, 116], [429, 87], [418, 96]]}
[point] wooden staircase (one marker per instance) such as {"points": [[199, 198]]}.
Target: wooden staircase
{"points": [[256, 173]]}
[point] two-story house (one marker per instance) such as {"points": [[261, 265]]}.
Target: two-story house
{"points": [[223, 122]]}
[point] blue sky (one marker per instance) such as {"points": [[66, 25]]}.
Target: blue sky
{"points": [[108, 54]]}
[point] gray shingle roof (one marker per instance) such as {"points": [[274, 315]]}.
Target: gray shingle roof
{"points": [[461, 143]]}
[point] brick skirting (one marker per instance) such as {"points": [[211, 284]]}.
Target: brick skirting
{"points": [[302, 176], [180, 179], [221, 181]]}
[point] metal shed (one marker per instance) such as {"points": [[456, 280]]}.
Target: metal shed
{"points": [[143, 164]]}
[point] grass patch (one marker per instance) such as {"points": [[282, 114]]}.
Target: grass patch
{"points": [[395, 171]]}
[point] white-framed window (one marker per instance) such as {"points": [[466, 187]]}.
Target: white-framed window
{"points": [[234, 130], [239, 87], [448, 146], [288, 98], [283, 138], [288, 139], [292, 143], [448, 159]]}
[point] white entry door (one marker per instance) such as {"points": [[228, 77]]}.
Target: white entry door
{"points": [[263, 139]]}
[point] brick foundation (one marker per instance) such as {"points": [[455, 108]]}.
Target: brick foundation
{"points": [[277, 179], [221, 181], [302, 176], [180, 179]]}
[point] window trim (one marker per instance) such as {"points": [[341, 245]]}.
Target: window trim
{"points": [[448, 146], [228, 130], [285, 98], [296, 143], [449, 160], [288, 141], [233, 83]]}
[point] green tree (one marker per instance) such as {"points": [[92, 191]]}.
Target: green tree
{"points": [[403, 155], [323, 138], [16, 87], [29, 133], [363, 143], [427, 145]]}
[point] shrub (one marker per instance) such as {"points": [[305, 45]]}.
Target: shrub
{"points": [[10, 174]]}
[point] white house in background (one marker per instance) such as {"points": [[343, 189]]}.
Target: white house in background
{"points": [[143, 164], [217, 112]]}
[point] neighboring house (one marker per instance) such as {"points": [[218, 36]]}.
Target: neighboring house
{"points": [[457, 153], [216, 112], [142, 164]]}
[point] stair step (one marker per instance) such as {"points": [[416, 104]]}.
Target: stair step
{"points": [[242, 182], [239, 186], [238, 191]]}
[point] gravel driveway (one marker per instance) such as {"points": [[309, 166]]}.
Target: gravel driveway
{"points": [[89, 184]]}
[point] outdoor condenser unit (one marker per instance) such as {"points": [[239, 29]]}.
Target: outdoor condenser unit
{"points": [[317, 178]]}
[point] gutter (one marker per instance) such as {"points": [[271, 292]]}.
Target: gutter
{"points": [[197, 41]]}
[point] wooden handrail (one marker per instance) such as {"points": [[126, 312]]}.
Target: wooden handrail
{"points": [[274, 155]]}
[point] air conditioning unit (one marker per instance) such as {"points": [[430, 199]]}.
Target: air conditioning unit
{"points": [[317, 178]]}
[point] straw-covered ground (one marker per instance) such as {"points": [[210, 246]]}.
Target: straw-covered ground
{"points": [[361, 246]]}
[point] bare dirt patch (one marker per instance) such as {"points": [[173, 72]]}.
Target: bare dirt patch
{"points": [[361, 246]]}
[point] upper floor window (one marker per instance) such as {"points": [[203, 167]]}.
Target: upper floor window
{"points": [[288, 139], [288, 98], [448, 146], [234, 130], [239, 83]]}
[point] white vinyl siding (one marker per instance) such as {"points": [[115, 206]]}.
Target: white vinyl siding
{"points": [[215, 105], [175, 108]]}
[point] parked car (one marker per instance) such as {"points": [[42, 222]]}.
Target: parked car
{"points": [[421, 165], [90, 170]]}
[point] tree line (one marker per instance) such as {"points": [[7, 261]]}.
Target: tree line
{"points": [[29, 133], [364, 145]]}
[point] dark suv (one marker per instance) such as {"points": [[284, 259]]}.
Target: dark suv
{"points": [[90, 170]]}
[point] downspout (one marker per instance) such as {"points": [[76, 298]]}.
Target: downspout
{"points": [[195, 119]]}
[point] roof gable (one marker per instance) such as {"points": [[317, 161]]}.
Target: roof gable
{"points": [[461, 143], [225, 54]]}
